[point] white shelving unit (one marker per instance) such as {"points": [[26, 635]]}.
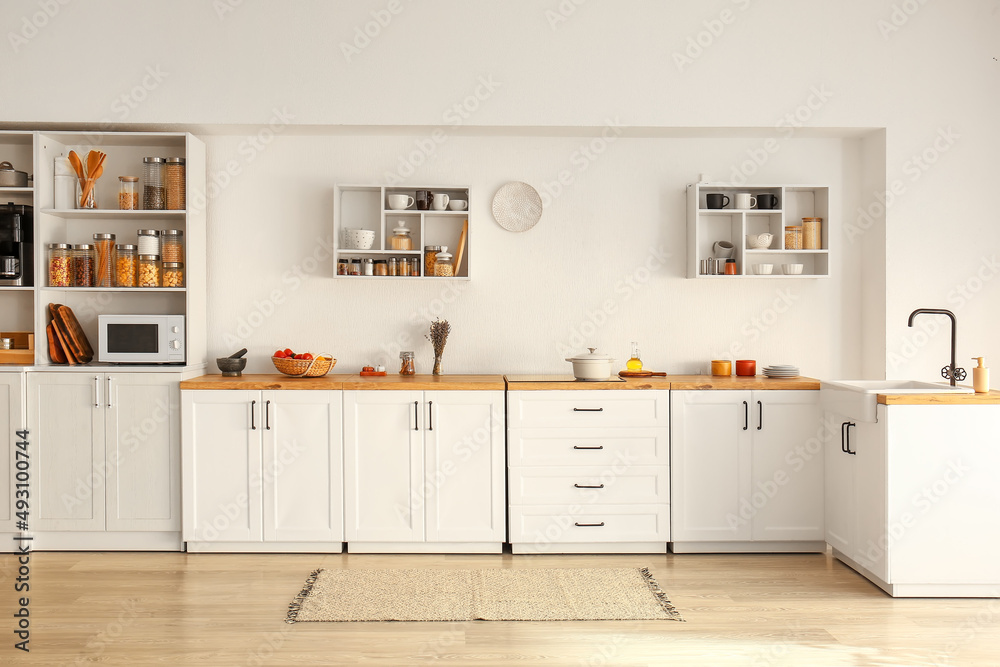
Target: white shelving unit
{"points": [[16, 303], [366, 207], [706, 226]]}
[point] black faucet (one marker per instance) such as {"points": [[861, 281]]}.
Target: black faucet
{"points": [[949, 371]]}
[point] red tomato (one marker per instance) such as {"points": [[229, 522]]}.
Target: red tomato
{"points": [[307, 356], [289, 353], [280, 354]]}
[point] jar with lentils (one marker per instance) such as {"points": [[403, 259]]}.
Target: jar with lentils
{"points": [[149, 271], [127, 266]]}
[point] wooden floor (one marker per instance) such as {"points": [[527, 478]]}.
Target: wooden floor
{"points": [[208, 609]]}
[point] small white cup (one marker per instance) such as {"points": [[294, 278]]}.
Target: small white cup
{"points": [[745, 200], [458, 204], [399, 202], [440, 202]]}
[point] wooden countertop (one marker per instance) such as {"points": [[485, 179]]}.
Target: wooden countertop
{"points": [[991, 398], [679, 382], [275, 381]]}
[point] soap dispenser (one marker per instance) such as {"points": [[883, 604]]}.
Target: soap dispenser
{"points": [[981, 377]]}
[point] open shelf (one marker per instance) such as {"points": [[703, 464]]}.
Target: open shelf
{"points": [[111, 213], [9, 190]]}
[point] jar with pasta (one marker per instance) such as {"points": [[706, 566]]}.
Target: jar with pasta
{"points": [[83, 265], [127, 266], [171, 245], [149, 271], [60, 257], [430, 256], [104, 260], [173, 274]]}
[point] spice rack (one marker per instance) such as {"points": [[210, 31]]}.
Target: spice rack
{"points": [[366, 207], [706, 226]]}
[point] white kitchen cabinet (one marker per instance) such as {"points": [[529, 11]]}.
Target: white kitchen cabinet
{"points": [[589, 471], [106, 469], [263, 470], [424, 470], [744, 477], [11, 421]]}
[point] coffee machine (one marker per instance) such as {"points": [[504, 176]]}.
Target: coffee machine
{"points": [[17, 266]]}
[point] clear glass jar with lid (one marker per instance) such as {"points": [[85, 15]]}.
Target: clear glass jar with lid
{"points": [[393, 266], [367, 267], [83, 265], [173, 274], [442, 264], [153, 191], [127, 266], [430, 256], [401, 239], [172, 245], [105, 258], [60, 257], [406, 364], [793, 237], [173, 180], [355, 269], [381, 267], [149, 271], [128, 193], [149, 241]]}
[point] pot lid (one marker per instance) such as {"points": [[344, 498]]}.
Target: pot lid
{"points": [[591, 356]]}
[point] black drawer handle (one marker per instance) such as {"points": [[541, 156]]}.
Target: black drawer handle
{"points": [[760, 415], [746, 415], [587, 525], [589, 486], [588, 409], [587, 447]]}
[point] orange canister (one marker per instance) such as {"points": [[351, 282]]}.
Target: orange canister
{"points": [[722, 367]]}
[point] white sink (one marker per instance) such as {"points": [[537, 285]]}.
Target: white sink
{"points": [[856, 399]]}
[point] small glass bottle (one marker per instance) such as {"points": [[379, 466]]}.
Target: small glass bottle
{"points": [[83, 265], [442, 265], [343, 266], [173, 180], [355, 266], [393, 267], [128, 193], [172, 245], [173, 274], [60, 258], [149, 241], [404, 266], [381, 267], [149, 271], [401, 239], [105, 259], [406, 365], [635, 363], [730, 267], [127, 266], [153, 194], [367, 267]]}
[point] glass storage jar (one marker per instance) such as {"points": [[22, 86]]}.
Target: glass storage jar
{"points": [[174, 181], [149, 271], [104, 260], [355, 266], [60, 256], [153, 194], [149, 241], [430, 256], [128, 193], [126, 266], [406, 365], [342, 266], [812, 233], [442, 264], [404, 266], [793, 237], [173, 274], [393, 266], [172, 245], [401, 239], [90, 199], [83, 265], [381, 267], [367, 267]]}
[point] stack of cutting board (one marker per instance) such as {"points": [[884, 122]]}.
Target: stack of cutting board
{"points": [[67, 342]]}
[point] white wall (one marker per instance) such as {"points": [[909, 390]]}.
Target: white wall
{"points": [[934, 79]]}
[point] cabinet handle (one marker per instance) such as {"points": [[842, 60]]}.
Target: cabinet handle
{"points": [[589, 486], [416, 415], [746, 415], [760, 415], [430, 415], [849, 451], [585, 525], [588, 447], [588, 409], [97, 391], [253, 409], [267, 415], [109, 391]]}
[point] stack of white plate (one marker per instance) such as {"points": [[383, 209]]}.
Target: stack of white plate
{"points": [[781, 371]]}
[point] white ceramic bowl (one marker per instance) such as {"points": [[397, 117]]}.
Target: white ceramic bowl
{"points": [[458, 204], [791, 269], [359, 239], [763, 269], [759, 241]]}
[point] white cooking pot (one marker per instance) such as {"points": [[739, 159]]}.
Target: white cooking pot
{"points": [[592, 366]]}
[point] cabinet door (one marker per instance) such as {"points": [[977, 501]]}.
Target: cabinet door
{"points": [[710, 465], [221, 436], [383, 466], [786, 485], [871, 546], [66, 418], [11, 420], [143, 451], [838, 487], [302, 458], [464, 466]]}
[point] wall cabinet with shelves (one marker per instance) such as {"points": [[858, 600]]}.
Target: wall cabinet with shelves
{"points": [[707, 226], [17, 301], [367, 207]]}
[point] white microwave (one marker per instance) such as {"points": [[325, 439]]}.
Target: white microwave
{"points": [[141, 339]]}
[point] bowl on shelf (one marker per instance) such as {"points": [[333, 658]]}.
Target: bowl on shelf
{"points": [[231, 368], [309, 368], [791, 269], [763, 269], [359, 239], [759, 241], [458, 204]]}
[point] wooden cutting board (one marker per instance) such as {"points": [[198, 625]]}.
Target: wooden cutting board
{"points": [[76, 339], [640, 374], [56, 353], [62, 336]]}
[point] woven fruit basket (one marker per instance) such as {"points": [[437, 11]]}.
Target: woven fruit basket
{"points": [[305, 368]]}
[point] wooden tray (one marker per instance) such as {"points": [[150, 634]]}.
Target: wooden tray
{"points": [[75, 338], [23, 353]]}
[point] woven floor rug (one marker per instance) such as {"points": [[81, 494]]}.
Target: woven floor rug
{"points": [[626, 594]]}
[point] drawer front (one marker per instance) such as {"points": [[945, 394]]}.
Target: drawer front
{"points": [[588, 408], [585, 485], [554, 524], [587, 446]]}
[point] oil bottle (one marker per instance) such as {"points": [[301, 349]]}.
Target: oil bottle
{"points": [[635, 363]]}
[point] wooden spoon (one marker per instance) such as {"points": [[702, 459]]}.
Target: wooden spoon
{"points": [[77, 164], [92, 181], [93, 159]]}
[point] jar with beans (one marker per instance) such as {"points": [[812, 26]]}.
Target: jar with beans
{"points": [[83, 265], [173, 274], [127, 266], [60, 258], [149, 271], [171, 245], [104, 260]]}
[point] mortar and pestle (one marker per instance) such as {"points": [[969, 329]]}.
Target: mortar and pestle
{"points": [[233, 365]]}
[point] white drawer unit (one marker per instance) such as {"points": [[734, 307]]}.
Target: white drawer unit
{"points": [[588, 471]]}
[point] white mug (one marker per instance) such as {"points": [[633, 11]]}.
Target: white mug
{"points": [[441, 202], [399, 202], [745, 200]]}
